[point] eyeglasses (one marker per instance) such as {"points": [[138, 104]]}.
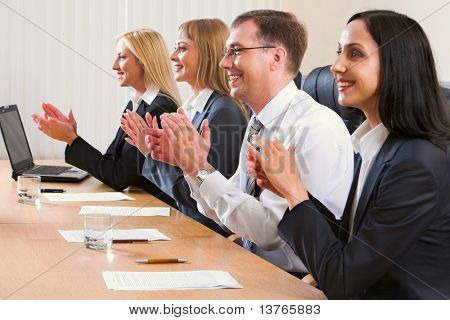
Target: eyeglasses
{"points": [[233, 52]]}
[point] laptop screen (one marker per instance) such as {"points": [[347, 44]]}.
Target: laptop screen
{"points": [[15, 138]]}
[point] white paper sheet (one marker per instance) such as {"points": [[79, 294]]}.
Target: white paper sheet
{"points": [[149, 234], [77, 236], [72, 235], [99, 196], [127, 211], [180, 280]]}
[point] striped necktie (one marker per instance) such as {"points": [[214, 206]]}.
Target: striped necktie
{"points": [[251, 188], [254, 129]]}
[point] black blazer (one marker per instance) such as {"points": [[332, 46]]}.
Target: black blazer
{"points": [[121, 165], [401, 246], [228, 125]]}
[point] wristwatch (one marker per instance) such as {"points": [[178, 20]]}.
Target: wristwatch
{"points": [[203, 173]]}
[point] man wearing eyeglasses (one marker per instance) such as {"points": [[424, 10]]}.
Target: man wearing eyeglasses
{"points": [[262, 56]]}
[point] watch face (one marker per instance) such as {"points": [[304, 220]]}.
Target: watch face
{"points": [[202, 174]]}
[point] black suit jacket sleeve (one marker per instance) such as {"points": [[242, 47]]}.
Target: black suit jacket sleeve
{"points": [[117, 173], [404, 203], [121, 165], [227, 125]]}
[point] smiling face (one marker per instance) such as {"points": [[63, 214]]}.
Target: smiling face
{"points": [[249, 71], [130, 71], [185, 60], [357, 68]]}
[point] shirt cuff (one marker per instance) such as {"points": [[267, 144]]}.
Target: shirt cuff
{"points": [[214, 186], [193, 185]]}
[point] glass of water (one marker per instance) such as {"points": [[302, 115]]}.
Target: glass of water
{"points": [[98, 231], [28, 189]]}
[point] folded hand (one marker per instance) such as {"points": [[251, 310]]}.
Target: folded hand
{"points": [[134, 125], [158, 143], [190, 149], [280, 172]]}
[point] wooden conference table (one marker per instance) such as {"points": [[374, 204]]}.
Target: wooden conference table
{"points": [[37, 263]]}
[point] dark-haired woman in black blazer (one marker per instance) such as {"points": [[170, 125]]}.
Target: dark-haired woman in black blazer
{"points": [[394, 238]]}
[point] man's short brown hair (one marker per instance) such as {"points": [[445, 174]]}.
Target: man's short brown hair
{"points": [[280, 28]]}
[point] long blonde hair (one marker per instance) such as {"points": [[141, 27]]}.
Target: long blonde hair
{"points": [[209, 36], [150, 49]]}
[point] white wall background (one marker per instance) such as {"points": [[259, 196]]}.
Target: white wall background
{"points": [[61, 51], [325, 20]]}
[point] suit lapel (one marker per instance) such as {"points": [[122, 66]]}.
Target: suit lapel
{"points": [[198, 118], [120, 139], [120, 133], [141, 109], [386, 153], [144, 107], [344, 229]]}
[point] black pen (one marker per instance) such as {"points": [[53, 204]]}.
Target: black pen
{"points": [[52, 190], [131, 241]]}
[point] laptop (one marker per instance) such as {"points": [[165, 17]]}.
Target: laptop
{"points": [[19, 152]]}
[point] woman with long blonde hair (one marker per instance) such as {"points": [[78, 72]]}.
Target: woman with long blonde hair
{"points": [[142, 64], [196, 58]]}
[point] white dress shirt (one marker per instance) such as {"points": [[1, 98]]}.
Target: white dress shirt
{"points": [[324, 156], [197, 103], [148, 96], [367, 142]]}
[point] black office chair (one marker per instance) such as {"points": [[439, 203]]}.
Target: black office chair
{"points": [[446, 92], [322, 87], [298, 80]]}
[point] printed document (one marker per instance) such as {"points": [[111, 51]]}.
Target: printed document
{"points": [[179, 280], [98, 196], [125, 234], [127, 211]]}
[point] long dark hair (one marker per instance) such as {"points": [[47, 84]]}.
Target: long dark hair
{"points": [[411, 103]]}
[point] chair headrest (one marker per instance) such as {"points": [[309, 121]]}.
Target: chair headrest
{"points": [[298, 80], [446, 92]]}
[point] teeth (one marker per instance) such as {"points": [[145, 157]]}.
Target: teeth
{"points": [[232, 78], [345, 84]]}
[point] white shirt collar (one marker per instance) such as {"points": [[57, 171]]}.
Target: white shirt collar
{"points": [[148, 96], [197, 103], [368, 142], [278, 105]]}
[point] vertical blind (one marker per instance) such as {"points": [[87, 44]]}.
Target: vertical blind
{"points": [[62, 52]]}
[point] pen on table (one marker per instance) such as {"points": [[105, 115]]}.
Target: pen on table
{"points": [[52, 190], [166, 260], [131, 241]]}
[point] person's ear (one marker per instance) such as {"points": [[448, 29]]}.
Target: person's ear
{"points": [[278, 58]]}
